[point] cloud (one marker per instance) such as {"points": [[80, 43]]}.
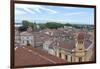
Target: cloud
{"points": [[32, 9], [52, 11], [75, 13], [18, 12], [49, 10], [22, 9]]}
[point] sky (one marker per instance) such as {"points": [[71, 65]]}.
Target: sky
{"points": [[62, 14]]}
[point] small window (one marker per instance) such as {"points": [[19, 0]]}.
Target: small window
{"points": [[71, 58], [80, 59], [60, 55], [27, 42], [66, 57], [27, 37], [80, 49]]}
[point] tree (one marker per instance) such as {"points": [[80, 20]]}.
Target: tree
{"points": [[53, 25], [68, 24], [25, 25], [42, 26], [22, 28]]}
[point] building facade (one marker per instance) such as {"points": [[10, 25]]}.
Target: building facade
{"points": [[78, 50], [25, 38]]}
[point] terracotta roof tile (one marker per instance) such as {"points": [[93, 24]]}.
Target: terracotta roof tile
{"points": [[30, 56]]}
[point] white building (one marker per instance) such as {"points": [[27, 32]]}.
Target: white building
{"points": [[46, 45], [27, 38], [72, 50]]}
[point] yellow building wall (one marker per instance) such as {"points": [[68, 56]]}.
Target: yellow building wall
{"points": [[63, 55], [85, 58], [69, 58], [57, 52]]}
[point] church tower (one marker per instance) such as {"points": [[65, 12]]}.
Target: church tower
{"points": [[80, 48]]}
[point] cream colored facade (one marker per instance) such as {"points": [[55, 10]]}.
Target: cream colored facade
{"points": [[64, 54], [24, 38], [79, 54]]}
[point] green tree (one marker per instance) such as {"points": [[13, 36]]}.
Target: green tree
{"points": [[22, 28], [53, 25], [68, 24], [25, 25], [42, 26]]}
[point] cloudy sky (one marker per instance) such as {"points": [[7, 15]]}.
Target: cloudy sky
{"points": [[43, 13]]}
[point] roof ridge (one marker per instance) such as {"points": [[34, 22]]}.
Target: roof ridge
{"points": [[43, 57]]}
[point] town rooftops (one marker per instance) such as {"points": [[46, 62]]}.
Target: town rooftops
{"points": [[81, 36], [68, 44], [28, 32], [25, 33], [25, 56]]}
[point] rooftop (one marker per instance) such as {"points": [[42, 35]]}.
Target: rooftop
{"points": [[25, 56]]}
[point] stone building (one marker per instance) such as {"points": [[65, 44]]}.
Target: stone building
{"points": [[25, 38], [73, 50]]}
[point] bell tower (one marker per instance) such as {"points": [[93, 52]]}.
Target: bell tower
{"points": [[80, 48]]}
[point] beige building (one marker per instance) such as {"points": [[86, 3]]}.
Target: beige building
{"points": [[25, 38], [79, 49], [61, 44]]}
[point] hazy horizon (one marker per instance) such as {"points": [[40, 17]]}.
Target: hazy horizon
{"points": [[44, 22], [43, 13]]}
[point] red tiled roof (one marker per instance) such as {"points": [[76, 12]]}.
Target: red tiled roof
{"points": [[52, 57], [30, 56]]}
